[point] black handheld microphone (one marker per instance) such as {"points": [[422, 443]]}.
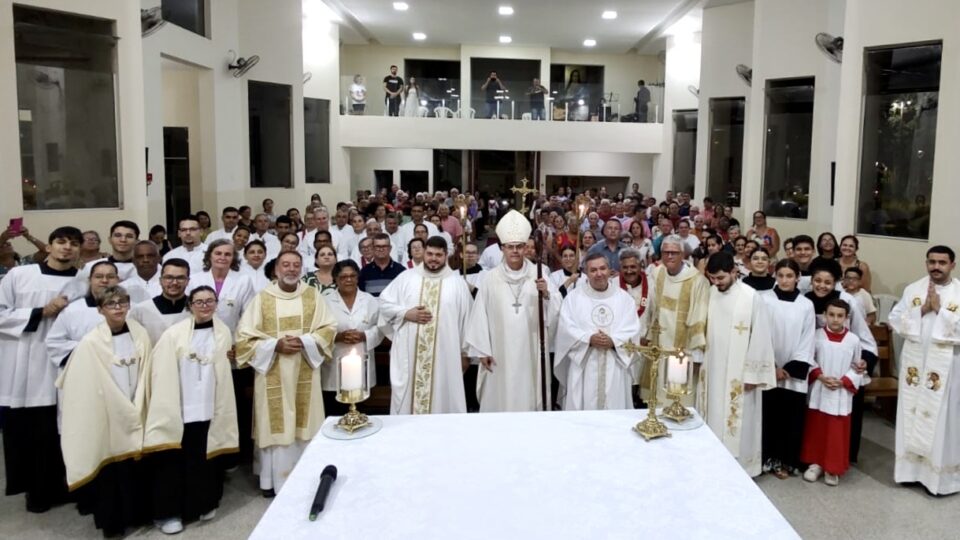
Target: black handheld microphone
{"points": [[327, 477]]}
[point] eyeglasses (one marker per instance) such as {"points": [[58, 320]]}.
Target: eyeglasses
{"points": [[176, 279], [670, 253], [204, 303], [116, 305]]}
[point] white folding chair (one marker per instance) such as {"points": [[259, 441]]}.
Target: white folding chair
{"points": [[526, 116], [443, 112], [422, 112], [472, 113]]}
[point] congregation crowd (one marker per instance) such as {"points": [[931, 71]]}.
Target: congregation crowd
{"points": [[134, 377]]}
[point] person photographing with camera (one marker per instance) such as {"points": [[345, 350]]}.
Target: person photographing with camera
{"points": [[491, 86]]}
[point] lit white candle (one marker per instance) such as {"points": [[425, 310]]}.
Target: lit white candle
{"points": [[677, 369], [351, 372]]}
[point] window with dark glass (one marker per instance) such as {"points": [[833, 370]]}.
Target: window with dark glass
{"points": [[577, 92], [901, 98], [684, 150], [187, 14], [437, 83], [316, 140], [786, 151], [506, 95], [66, 101], [725, 153], [269, 107], [447, 169]]}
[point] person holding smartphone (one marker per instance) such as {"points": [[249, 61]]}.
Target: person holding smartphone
{"points": [[536, 94], [9, 258], [491, 86]]}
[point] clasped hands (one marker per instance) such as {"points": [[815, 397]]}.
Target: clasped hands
{"points": [[289, 345], [932, 305], [350, 337], [600, 340]]}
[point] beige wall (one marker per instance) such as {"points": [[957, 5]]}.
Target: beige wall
{"points": [[130, 121]]}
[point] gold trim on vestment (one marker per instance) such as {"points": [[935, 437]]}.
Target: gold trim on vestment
{"points": [[274, 383], [304, 386], [683, 310], [426, 347], [733, 419], [268, 311], [223, 451], [161, 448], [90, 477], [293, 322]]}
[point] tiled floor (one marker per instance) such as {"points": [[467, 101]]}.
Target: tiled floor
{"points": [[867, 504]]}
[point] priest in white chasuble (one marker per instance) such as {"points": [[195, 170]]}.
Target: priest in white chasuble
{"points": [[424, 313], [105, 385], [191, 415], [170, 306], [738, 364], [678, 304], [31, 297], [503, 330], [928, 411], [596, 320], [285, 334]]}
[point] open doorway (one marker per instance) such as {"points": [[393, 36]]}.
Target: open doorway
{"points": [[182, 141]]}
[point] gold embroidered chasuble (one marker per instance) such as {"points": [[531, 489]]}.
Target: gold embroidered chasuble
{"points": [[288, 403]]}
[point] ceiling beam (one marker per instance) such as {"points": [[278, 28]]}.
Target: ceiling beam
{"points": [[349, 19], [657, 31]]}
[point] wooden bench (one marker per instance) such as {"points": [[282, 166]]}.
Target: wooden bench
{"points": [[883, 388]]}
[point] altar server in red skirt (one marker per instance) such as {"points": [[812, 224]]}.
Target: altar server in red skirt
{"points": [[826, 438]]}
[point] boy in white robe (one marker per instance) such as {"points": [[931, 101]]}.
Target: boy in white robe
{"points": [[826, 439], [82, 315], [31, 297], [596, 320]]}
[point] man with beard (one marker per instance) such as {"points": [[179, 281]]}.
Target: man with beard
{"points": [[170, 306], [123, 238], [635, 282], [191, 247], [738, 363], [928, 435], [424, 312], [31, 297], [503, 329], [285, 333]]}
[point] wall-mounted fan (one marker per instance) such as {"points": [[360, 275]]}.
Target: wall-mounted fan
{"points": [[830, 45], [694, 90], [151, 20], [240, 66], [745, 73]]}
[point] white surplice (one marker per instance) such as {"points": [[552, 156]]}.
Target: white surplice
{"points": [[236, 291], [269, 240], [792, 328], [141, 289], [511, 336], [491, 257], [928, 411], [364, 316], [26, 374], [405, 232], [158, 314], [258, 279], [75, 321], [193, 257], [425, 367], [739, 352], [595, 378]]}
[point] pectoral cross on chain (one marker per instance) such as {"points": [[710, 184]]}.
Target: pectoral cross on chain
{"points": [[516, 306], [741, 328], [523, 191]]}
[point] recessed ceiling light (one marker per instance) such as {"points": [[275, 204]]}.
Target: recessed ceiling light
{"points": [[589, 42], [609, 14], [419, 36], [505, 39], [401, 6], [505, 10]]}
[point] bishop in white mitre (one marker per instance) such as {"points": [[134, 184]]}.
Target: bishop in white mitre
{"points": [[738, 364], [503, 329], [928, 432], [424, 313], [596, 321]]}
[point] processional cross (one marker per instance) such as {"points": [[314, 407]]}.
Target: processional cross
{"points": [[523, 192]]}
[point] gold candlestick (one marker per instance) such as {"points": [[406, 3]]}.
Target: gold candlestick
{"points": [[354, 419], [676, 411]]}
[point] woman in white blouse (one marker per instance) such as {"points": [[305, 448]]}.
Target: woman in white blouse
{"points": [[356, 313]]}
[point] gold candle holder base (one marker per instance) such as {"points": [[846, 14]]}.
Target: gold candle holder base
{"points": [[353, 420], [651, 428], [676, 411]]}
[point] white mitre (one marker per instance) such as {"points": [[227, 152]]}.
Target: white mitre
{"points": [[513, 228]]}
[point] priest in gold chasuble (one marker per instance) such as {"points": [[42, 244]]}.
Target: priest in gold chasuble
{"points": [[285, 333]]}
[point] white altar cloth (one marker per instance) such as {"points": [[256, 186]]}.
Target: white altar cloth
{"points": [[502, 476]]}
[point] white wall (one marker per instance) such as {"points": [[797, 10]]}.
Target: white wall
{"points": [[637, 167], [726, 40], [783, 47], [682, 71], [363, 161], [130, 107], [870, 23]]}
